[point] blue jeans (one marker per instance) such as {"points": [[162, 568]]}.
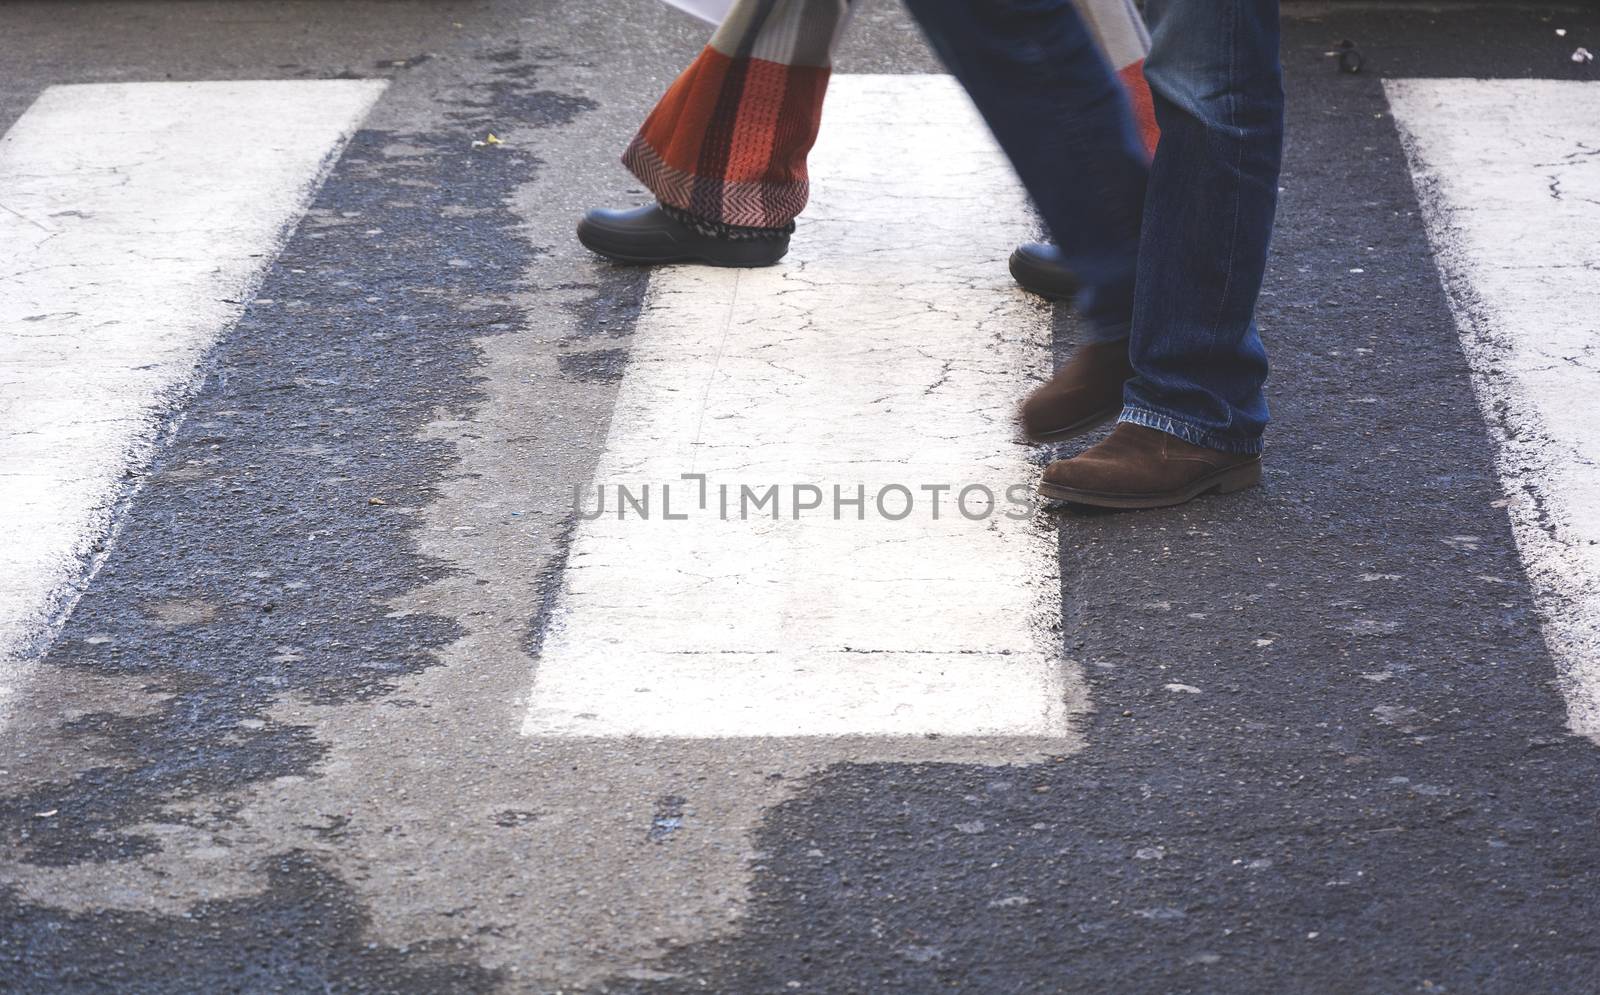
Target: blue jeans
{"points": [[1171, 253]]}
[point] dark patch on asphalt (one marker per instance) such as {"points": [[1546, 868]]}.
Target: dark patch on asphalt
{"points": [[604, 365], [1516, 40], [1372, 790], [535, 108], [513, 818], [305, 932], [512, 97], [262, 508], [613, 311], [548, 584], [411, 63]]}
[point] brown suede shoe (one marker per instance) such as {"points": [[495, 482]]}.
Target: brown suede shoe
{"points": [[1086, 391], [1138, 467]]}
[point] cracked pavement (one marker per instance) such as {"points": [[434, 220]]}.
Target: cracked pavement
{"points": [[1311, 737]]}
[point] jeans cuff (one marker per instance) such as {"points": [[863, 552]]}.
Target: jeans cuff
{"points": [[1191, 434]]}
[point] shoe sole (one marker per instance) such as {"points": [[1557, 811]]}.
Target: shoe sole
{"points": [[1038, 279], [1224, 481], [596, 242], [1076, 429]]}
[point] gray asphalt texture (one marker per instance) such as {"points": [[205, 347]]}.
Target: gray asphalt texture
{"points": [[1298, 826]]}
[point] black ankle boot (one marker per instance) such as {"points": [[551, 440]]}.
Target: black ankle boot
{"points": [[654, 234], [1038, 267]]}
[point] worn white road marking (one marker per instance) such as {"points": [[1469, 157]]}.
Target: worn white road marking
{"points": [[1508, 173], [583, 888], [135, 221], [889, 349]]}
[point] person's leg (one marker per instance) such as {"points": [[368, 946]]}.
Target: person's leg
{"points": [[678, 156], [1194, 410], [1120, 32], [1056, 107], [1215, 76], [724, 151], [1124, 39], [728, 142]]}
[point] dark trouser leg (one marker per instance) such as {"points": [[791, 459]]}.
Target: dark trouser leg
{"points": [[1203, 224], [1214, 73], [1059, 112]]}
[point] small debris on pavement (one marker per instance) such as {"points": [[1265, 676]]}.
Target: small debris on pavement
{"points": [[1582, 55], [668, 818], [921, 954], [376, 500], [490, 140], [1350, 58], [1011, 902]]}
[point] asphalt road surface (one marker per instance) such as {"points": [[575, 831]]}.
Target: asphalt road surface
{"points": [[318, 671]]}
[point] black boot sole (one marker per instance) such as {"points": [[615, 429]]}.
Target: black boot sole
{"points": [[1050, 282], [629, 248]]}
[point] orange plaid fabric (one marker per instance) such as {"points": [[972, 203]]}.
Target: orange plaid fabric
{"points": [[728, 142]]}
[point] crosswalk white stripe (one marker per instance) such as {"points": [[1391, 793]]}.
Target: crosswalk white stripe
{"points": [[1508, 173], [135, 220], [888, 349]]}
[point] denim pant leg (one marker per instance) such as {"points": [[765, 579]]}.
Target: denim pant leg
{"points": [[1057, 109], [1215, 76]]}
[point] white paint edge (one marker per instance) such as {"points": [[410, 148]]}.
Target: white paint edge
{"points": [[1521, 270], [891, 346], [135, 221]]}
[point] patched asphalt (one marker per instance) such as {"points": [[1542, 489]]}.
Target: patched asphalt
{"points": [[1371, 788]]}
